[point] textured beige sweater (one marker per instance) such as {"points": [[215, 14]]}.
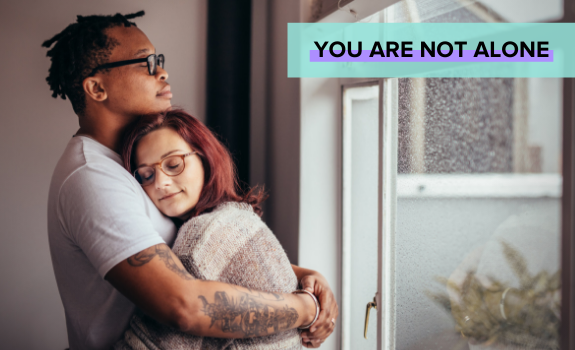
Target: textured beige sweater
{"points": [[230, 244]]}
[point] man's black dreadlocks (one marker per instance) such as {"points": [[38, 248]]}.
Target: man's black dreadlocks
{"points": [[79, 48]]}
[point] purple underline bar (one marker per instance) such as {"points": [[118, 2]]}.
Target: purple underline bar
{"points": [[467, 57]]}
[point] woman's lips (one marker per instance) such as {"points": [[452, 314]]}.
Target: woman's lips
{"points": [[165, 92], [170, 195]]}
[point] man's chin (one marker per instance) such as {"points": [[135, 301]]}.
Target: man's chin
{"points": [[166, 106], [159, 109]]}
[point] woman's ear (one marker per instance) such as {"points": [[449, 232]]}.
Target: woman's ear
{"points": [[94, 89]]}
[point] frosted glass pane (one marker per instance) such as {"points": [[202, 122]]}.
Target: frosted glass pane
{"points": [[478, 208], [361, 177], [469, 11], [459, 250]]}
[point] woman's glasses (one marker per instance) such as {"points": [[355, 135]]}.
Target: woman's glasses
{"points": [[171, 166], [153, 62]]}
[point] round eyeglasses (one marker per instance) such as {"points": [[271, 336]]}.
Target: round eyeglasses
{"points": [[153, 61], [171, 166]]}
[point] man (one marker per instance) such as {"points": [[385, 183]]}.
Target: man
{"points": [[108, 242]]}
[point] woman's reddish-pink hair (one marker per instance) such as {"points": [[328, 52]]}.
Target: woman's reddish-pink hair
{"points": [[220, 179]]}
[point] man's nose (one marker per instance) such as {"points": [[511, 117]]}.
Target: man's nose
{"points": [[161, 73]]}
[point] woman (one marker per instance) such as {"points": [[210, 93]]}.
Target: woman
{"points": [[190, 177]]}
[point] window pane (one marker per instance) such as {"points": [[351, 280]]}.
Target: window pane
{"points": [[477, 239], [461, 125], [478, 216], [360, 183]]}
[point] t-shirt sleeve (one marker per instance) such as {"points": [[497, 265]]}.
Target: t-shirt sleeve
{"points": [[105, 216]]}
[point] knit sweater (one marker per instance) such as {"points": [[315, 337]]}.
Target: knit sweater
{"points": [[230, 244]]}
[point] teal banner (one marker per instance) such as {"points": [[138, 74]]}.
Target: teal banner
{"points": [[381, 50]]}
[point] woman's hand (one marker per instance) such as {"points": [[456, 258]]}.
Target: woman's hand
{"points": [[317, 284]]}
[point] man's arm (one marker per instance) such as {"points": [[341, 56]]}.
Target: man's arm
{"points": [[314, 282], [157, 282]]}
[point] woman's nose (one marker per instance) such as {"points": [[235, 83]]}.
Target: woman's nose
{"points": [[161, 179]]}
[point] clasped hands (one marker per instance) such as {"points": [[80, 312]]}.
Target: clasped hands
{"points": [[325, 324]]}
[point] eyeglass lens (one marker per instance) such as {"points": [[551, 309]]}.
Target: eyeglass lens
{"points": [[171, 166], [154, 61]]}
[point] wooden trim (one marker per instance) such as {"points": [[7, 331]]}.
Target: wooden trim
{"points": [[568, 224]]}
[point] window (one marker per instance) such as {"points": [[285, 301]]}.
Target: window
{"points": [[438, 182]]}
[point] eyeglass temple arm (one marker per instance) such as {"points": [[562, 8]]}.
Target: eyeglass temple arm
{"points": [[119, 64]]}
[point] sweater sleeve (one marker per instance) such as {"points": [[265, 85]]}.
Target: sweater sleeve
{"points": [[233, 245]]}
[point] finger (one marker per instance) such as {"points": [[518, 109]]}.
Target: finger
{"points": [[314, 344], [308, 283], [335, 312], [327, 304], [307, 336], [310, 345], [326, 300], [323, 321], [317, 342], [321, 334], [310, 336], [313, 337], [329, 310], [321, 330]]}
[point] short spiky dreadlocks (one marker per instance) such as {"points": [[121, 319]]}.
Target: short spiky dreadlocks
{"points": [[80, 48]]}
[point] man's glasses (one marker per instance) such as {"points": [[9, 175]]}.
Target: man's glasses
{"points": [[153, 62], [171, 166]]}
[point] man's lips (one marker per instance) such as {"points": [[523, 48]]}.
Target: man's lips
{"points": [[165, 92], [169, 195]]}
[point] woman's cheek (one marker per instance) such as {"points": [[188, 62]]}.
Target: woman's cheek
{"points": [[150, 192]]}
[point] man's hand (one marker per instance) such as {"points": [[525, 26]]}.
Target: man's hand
{"points": [[317, 284]]}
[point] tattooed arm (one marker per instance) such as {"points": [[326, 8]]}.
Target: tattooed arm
{"points": [[157, 282]]}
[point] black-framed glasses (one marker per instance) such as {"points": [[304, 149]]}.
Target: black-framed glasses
{"points": [[171, 166], [153, 61]]}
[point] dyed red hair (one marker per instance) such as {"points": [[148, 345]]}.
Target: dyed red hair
{"points": [[220, 178]]}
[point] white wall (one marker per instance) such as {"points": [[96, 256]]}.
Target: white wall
{"points": [[320, 187], [35, 128]]}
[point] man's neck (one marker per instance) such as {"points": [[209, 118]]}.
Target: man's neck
{"points": [[106, 128]]}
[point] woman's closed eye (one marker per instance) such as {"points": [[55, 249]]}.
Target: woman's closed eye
{"points": [[173, 167], [173, 164], [147, 175]]}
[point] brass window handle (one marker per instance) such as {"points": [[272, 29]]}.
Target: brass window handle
{"points": [[371, 304]]}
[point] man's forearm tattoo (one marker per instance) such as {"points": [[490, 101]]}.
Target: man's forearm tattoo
{"points": [[165, 254], [248, 315]]}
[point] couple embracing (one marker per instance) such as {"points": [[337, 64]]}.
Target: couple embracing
{"points": [[140, 177]]}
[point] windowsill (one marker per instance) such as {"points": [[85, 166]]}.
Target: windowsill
{"points": [[479, 186]]}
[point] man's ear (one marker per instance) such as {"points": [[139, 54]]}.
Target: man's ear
{"points": [[94, 89]]}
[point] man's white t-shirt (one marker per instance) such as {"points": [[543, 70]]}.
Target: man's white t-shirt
{"points": [[98, 216]]}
